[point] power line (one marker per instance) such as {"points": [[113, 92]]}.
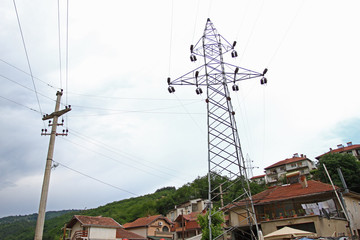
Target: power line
{"points": [[115, 160], [27, 56], [153, 110], [126, 155], [11, 65], [59, 33], [67, 51], [286, 33], [30, 89], [100, 181], [20, 104], [130, 98]]}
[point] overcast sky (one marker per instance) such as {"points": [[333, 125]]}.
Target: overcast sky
{"points": [[127, 135]]}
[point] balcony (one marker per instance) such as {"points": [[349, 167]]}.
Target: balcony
{"points": [[80, 235], [271, 172]]}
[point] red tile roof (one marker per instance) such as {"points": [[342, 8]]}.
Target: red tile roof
{"points": [[291, 191], [190, 221], [94, 221], [259, 176], [286, 161], [280, 193], [188, 217], [122, 233], [145, 221], [340, 150]]}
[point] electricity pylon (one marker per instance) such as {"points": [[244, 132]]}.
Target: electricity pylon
{"points": [[226, 166]]}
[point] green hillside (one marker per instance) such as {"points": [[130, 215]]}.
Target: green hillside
{"points": [[160, 202]]}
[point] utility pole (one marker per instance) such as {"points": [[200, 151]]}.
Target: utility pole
{"points": [[45, 187]]}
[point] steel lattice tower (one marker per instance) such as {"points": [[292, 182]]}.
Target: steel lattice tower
{"points": [[226, 165]]}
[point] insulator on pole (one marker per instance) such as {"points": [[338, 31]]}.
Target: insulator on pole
{"points": [[198, 91], [171, 89], [234, 54], [193, 58], [265, 71]]}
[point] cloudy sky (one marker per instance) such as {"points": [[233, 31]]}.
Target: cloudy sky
{"points": [[127, 135]]}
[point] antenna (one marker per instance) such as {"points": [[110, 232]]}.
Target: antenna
{"points": [[226, 166]]}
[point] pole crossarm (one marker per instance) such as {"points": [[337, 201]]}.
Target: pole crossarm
{"points": [[226, 165], [57, 114]]}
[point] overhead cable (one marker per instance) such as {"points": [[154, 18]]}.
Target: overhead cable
{"points": [[27, 57]]}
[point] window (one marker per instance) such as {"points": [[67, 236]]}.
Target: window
{"points": [[165, 229]]}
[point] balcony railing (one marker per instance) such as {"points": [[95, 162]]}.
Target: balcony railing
{"points": [[80, 235]]}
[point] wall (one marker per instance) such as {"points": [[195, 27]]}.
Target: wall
{"points": [[353, 207], [102, 233], [324, 227], [156, 230], [75, 228], [141, 231]]}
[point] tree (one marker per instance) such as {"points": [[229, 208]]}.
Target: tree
{"points": [[216, 221], [349, 166]]}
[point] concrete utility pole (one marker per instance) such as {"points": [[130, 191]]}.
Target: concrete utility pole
{"points": [[45, 187]]}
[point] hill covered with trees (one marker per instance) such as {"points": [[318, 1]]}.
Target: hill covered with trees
{"points": [[123, 211]]}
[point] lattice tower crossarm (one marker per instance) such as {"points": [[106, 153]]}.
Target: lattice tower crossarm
{"points": [[226, 165]]}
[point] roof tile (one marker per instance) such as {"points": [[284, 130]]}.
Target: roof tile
{"points": [[279, 193], [145, 221], [122, 233], [286, 161], [94, 221]]}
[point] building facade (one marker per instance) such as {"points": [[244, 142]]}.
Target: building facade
{"points": [[151, 227], [86, 227], [194, 205], [276, 173], [350, 148], [306, 205]]}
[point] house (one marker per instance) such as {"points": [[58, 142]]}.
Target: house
{"points": [[194, 205], [260, 179], [151, 227], [353, 149], [187, 226], [305, 205], [85, 227], [276, 172]]}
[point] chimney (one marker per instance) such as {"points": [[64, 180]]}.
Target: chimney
{"points": [[330, 149], [302, 155], [295, 155], [303, 181], [349, 144], [340, 146]]}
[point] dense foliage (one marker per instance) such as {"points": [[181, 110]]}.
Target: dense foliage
{"points": [[216, 228], [127, 210], [349, 165]]}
